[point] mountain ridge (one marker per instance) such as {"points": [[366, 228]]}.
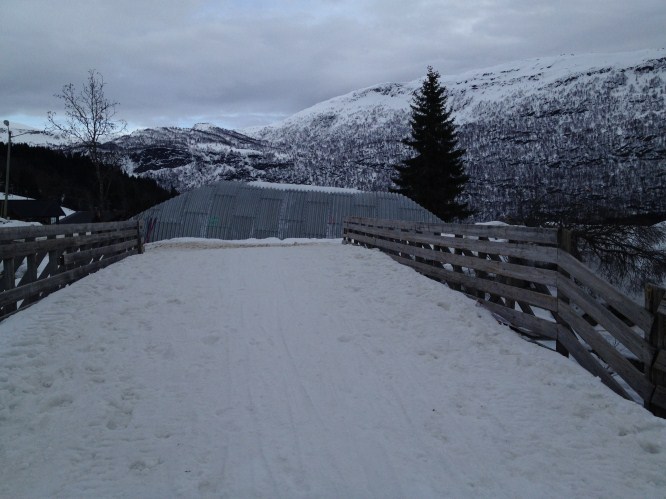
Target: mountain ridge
{"points": [[585, 132], [540, 134]]}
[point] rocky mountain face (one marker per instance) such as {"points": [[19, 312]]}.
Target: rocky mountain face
{"points": [[572, 133]]}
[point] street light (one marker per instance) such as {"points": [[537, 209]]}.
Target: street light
{"points": [[9, 148]]}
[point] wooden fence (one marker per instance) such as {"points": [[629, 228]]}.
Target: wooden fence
{"points": [[38, 260], [528, 280]]}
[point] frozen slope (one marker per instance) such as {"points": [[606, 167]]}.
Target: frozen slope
{"points": [[312, 370]]}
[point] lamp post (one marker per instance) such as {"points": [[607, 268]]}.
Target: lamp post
{"points": [[9, 148]]}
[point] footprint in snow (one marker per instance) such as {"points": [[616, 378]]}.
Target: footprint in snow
{"points": [[210, 339]]}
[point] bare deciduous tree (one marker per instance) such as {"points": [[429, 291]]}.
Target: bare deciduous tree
{"points": [[89, 119], [626, 254]]}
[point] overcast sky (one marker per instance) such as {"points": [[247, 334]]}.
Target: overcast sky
{"points": [[239, 63]]}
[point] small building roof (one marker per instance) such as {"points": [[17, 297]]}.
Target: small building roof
{"points": [[86, 217], [237, 210], [78, 217], [31, 209]]}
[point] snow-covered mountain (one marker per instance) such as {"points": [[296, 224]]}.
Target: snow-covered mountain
{"points": [[186, 158], [567, 131], [25, 134]]}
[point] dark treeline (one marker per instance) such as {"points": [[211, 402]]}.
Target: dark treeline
{"points": [[69, 179]]}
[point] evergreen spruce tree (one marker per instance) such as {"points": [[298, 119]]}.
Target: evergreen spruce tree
{"points": [[435, 177]]}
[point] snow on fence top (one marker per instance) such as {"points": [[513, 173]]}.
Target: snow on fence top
{"points": [[237, 210]]}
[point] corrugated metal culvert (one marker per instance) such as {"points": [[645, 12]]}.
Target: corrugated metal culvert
{"points": [[238, 210]]}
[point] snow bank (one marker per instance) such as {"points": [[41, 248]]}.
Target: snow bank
{"points": [[300, 371], [6, 223], [303, 187], [199, 243]]}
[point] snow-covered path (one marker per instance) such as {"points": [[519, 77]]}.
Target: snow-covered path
{"points": [[316, 370]]}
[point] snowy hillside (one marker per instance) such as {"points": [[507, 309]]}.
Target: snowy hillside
{"points": [[541, 132], [578, 132], [189, 158], [584, 132], [24, 134], [313, 370]]}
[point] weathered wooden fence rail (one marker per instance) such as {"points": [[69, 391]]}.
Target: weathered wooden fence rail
{"points": [[528, 280], [38, 260]]}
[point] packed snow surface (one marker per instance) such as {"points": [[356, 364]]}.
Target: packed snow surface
{"points": [[307, 370]]}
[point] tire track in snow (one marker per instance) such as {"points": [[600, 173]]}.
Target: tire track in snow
{"points": [[299, 400], [276, 386], [246, 440], [340, 391]]}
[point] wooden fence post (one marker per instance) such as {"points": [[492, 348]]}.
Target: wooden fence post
{"points": [[566, 241], [139, 238], [655, 303], [8, 282]]}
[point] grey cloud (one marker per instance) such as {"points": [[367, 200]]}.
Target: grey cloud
{"points": [[243, 62]]}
